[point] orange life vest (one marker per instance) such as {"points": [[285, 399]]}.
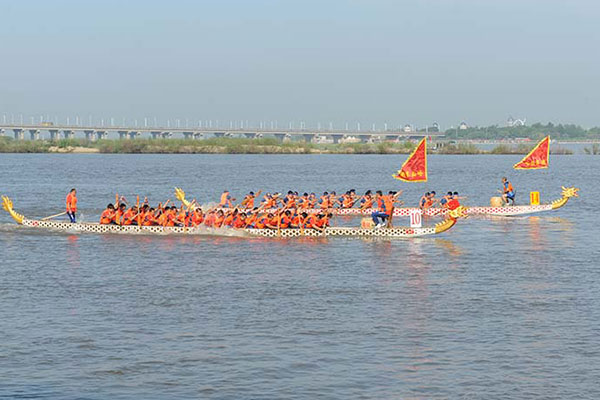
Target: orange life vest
{"points": [[197, 218], [250, 219], [218, 221], [71, 203], [107, 217], [149, 219], [209, 220], [225, 201], [239, 222], [347, 202], [453, 204], [248, 201], [284, 222], [368, 203], [228, 220], [262, 222], [311, 221], [128, 217]]}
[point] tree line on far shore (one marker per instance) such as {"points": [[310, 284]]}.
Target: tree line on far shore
{"points": [[535, 132]]}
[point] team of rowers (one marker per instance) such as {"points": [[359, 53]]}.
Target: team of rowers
{"points": [[450, 201], [274, 211]]}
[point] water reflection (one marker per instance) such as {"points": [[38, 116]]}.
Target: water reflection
{"points": [[73, 256], [449, 247], [535, 234]]}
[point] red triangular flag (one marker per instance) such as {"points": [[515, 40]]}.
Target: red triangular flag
{"points": [[414, 168]]}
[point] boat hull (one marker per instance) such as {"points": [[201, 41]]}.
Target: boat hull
{"points": [[399, 232]]}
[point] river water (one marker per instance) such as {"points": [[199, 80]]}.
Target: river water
{"points": [[502, 308]]}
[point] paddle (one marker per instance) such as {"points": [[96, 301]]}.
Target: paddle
{"points": [[389, 223], [279, 221], [54, 216], [301, 220]]}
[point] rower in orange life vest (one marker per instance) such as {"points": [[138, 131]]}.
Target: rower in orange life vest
{"points": [[248, 201], [270, 201], [219, 218], [453, 203], [304, 202], [325, 201], [298, 220], [333, 200], [445, 199], [366, 201], [240, 221], [150, 218], [226, 200], [72, 205], [108, 216], [427, 201], [196, 217], [385, 205], [129, 217], [228, 220], [348, 199], [508, 192], [312, 200], [289, 201]]}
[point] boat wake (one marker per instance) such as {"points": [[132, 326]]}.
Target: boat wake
{"points": [[77, 229]]}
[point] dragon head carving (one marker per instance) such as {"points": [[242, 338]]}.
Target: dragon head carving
{"points": [[7, 205], [179, 194], [460, 212], [569, 192]]}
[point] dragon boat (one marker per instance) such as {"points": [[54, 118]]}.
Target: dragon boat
{"points": [[89, 227], [506, 211]]}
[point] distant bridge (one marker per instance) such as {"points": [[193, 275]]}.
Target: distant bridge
{"points": [[92, 133]]}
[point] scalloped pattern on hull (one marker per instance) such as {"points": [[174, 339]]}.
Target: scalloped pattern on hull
{"points": [[97, 228], [509, 210], [400, 232]]}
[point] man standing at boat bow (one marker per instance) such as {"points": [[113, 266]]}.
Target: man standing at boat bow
{"points": [[72, 205]]}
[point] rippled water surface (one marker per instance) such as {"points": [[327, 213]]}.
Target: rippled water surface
{"points": [[504, 308]]}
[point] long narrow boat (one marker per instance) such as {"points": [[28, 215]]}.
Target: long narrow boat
{"points": [[88, 227], [506, 211]]}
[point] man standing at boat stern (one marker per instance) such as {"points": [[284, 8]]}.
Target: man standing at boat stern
{"points": [[72, 205]]}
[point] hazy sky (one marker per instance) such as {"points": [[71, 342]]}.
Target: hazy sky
{"points": [[373, 61]]}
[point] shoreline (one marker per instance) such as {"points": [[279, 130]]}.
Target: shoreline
{"points": [[257, 146]]}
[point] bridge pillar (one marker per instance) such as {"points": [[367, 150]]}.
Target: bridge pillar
{"points": [[250, 135], [188, 135], [364, 138], [393, 138], [133, 134], [337, 137], [19, 134], [280, 136], [54, 134], [219, 134], [101, 135], [34, 134], [155, 134], [90, 135], [308, 137], [122, 134], [69, 134]]}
